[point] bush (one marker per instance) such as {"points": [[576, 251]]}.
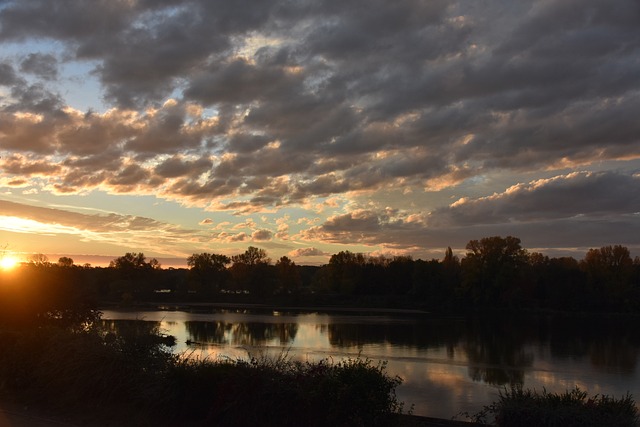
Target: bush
{"points": [[282, 392], [127, 376], [523, 408]]}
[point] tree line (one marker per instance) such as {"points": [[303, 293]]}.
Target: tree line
{"points": [[495, 272]]}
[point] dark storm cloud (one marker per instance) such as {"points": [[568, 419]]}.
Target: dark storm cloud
{"points": [[64, 20], [594, 195], [44, 66], [8, 75]]}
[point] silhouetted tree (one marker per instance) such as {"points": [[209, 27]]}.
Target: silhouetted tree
{"points": [[427, 281], [252, 256], [345, 271], [493, 270], [40, 260], [451, 273], [130, 261], [250, 271], [609, 276], [399, 275], [133, 275], [208, 271], [287, 275], [65, 262]]}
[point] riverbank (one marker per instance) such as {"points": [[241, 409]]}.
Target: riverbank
{"points": [[189, 306]]}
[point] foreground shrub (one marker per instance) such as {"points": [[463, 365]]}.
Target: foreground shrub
{"points": [[70, 372], [282, 392], [524, 408], [129, 377]]}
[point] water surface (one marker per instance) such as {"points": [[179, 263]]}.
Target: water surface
{"points": [[448, 365]]}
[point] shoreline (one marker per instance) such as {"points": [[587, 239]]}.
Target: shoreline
{"points": [[185, 306]]}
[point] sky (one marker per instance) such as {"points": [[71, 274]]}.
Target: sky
{"points": [[310, 127]]}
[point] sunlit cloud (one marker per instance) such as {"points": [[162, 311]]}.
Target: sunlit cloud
{"points": [[307, 252], [21, 225]]}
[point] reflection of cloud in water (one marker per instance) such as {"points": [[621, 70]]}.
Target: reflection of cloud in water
{"points": [[440, 389], [311, 336]]}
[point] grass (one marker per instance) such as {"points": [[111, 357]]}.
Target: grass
{"points": [[573, 408], [130, 377]]}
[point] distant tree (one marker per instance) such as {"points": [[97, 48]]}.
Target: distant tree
{"points": [[451, 271], [134, 276], [493, 269], [609, 257], [287, 275], [250, 271], [345, 271], [609, 273], [40, 260], [208, 262], [65, 262], [252, 256], [426, 282], [154, 264], [399, 275], [130, 260], [561, 284], [208, 271]]}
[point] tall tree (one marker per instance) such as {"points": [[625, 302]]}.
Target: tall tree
{"points": [[493, 270], [250, 271], [345, 270], [130, 261], [133, 276], [287, 275], [40, 260], [609, 274], [208, 271], [65, 262], [252, 256]]}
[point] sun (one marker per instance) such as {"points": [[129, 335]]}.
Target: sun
{"points": [[8, 262]]}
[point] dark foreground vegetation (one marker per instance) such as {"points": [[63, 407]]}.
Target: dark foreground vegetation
{"points": [[575, 408], [129, 377]]}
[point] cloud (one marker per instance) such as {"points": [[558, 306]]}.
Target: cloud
{"points": [[578, 194], [589, 209], [239, 237], [298, 114], [261, 235], [256, 107], [8, 75], [206, 221], [125, 230], [43, 65], [307, 252]]}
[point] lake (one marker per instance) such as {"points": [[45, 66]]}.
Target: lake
{"points": [[448, 365]]}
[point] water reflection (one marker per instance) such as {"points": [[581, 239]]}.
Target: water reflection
{"points": [[240, 334], [448, 364]]}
